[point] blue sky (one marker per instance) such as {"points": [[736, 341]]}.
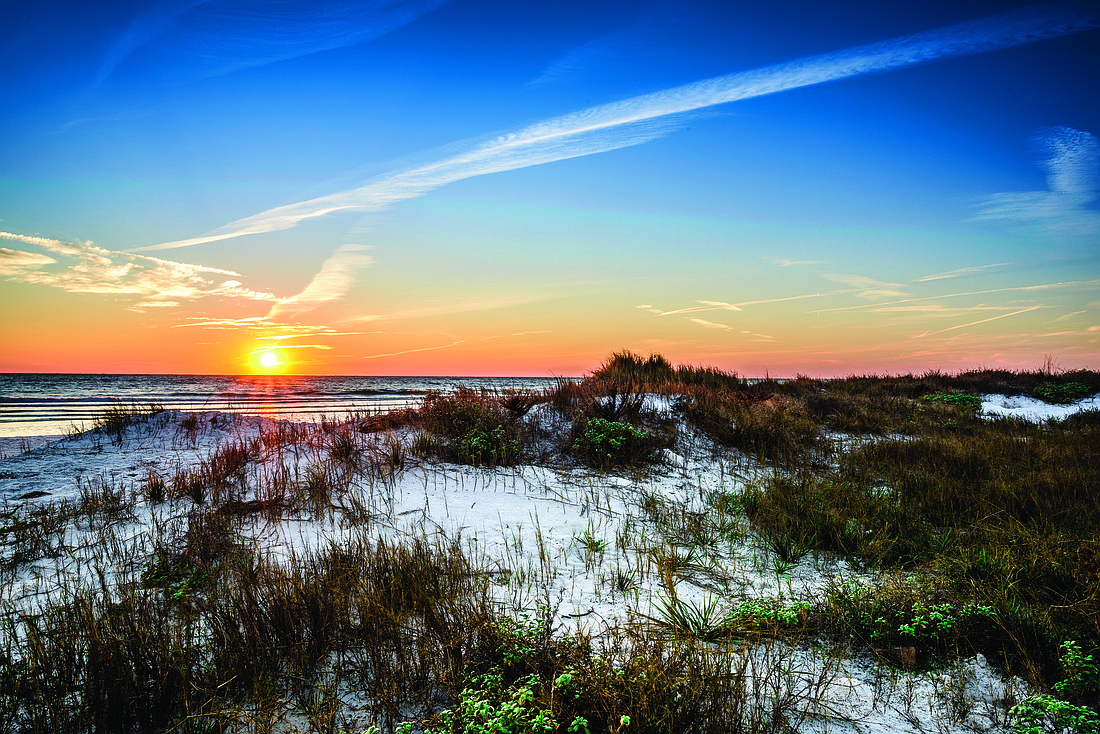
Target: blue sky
{"points": [[458, 187]]}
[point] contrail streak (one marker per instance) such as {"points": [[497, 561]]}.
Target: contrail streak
{"points": [[1044, 286], [975, 323], [649, 116]]}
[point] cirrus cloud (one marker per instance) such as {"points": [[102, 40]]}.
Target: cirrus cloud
{"points": [[647, 117], [1072, 160], [82, 267]]}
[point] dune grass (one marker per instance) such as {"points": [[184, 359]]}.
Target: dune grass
{"points": [[978, 535]]}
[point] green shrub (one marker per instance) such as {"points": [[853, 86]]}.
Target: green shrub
{"points": [[475, 428], [1047, 713], [493, 448], [768, 614], [604, 443], [486, 704], [1060, 394], [910, 614]]}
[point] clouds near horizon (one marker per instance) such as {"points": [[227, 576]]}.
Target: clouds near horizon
{"points": [[82, 267]]}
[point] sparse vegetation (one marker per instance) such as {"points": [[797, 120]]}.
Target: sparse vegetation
{"points": [[476, 428], [159, 607]]}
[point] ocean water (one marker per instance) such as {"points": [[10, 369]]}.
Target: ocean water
{"points": [[53, 404]]}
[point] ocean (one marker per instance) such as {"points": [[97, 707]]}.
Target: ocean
{"points": [[55, 404]]}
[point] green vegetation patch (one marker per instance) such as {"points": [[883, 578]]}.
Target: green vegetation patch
{"points": [[909, 615], [1065, 710], [476, 428], [605, 443], [960, 399], [1061, 393]]}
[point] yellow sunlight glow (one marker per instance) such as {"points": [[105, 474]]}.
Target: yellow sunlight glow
{"points": [[269, 360]]}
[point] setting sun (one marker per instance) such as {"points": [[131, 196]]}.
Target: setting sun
{"points": [[269, 360]]}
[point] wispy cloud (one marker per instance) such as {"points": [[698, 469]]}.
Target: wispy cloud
{"points": [[960, 272], [935, 309], [280, 345], [865, 287], [265, 329], [331, 283], [785, 263], [707, 306], [710, 324], [211, 37], [432, 309], [802, 297], [272, 329], [723, 327], [17, 261], [1072, 160], [1040, 287], [417, 349], [975, 323], [81, 267], [723, 306], [647, 117]]}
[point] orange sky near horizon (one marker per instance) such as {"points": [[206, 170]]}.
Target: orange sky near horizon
{"points": [[91, 337]]}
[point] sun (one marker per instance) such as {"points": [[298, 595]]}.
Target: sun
{"points": [[269, 360]]}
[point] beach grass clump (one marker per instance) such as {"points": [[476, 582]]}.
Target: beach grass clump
{"points": [[518, 403], [345, 450], [652, 374], [29, 533], [115, 420], [685, 619], [774, 428], [472, 427], [796, 515], [208, 629], [655, 374], [220, 477], [858, 414]]}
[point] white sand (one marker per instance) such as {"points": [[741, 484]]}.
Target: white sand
{"points": [[529, 523]]}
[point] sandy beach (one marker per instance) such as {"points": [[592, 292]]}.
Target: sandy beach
{"points": [[578, 548]]}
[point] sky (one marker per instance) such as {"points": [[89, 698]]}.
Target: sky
{"points": [[466, 187]]}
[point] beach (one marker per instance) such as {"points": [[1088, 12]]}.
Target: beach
{"points": [[610, 554]]}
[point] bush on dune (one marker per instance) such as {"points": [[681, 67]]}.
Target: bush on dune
{"points": [[474, 427]]}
